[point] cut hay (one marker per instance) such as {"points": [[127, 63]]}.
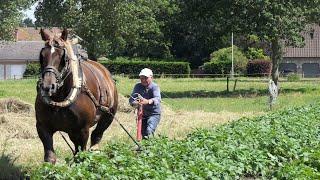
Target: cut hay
{"points": [[124, 105], [15, 106]]}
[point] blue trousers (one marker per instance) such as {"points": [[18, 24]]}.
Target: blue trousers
{"points": [[149, 125]]}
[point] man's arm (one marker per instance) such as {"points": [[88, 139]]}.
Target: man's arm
{"points": [[156, 96]]}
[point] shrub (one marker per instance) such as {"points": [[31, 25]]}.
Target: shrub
{"points": [[32, 69], [259, 67], [220, 61], [256, 53]]}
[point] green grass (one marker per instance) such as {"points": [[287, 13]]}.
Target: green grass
{"points": [[206, 94], [22, 89], [211, 95]]}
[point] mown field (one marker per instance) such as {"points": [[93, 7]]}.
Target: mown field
{"points": [[189, 105]]}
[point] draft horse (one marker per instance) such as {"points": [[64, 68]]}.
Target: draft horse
{"points": [[72, 96]]}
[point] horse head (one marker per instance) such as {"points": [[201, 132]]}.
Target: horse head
{"points": [[53, 61]]}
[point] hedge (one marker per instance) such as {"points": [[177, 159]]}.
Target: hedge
{"points": [[134, 67], [259, 67], [130, 67], [217, 67]]}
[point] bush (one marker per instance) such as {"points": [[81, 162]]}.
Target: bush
{"points": [[32, 69], [256, 53], [259, 67], [220, 61], [293, 77], [158, 68]]}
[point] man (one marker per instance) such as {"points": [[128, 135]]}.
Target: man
{"points": [[150, 101]]}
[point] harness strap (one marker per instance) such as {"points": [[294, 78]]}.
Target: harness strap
{"points": [[94, 100]]}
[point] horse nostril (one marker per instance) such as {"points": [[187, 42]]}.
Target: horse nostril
{"points": [[52, 86]]}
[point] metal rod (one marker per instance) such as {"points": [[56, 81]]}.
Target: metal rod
{"points": [[139, 147], [73, 152]]}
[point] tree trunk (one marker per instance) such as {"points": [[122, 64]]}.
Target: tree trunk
{"points": [[277, 52]]}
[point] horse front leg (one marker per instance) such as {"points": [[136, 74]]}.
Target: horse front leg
{"points": [[80, 139], [46, 138]]}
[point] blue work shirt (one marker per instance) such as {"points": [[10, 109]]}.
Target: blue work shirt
{"points": [[150, 92]]}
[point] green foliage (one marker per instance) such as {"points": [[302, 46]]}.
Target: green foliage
{"points": [[258, 147], [216, 67], [32, 69], [293, 77], [11, 16], [134, 67], [276, 22], [220, 62], [113, 28], [27, 22], [45, 8], [259, 68], [123, 58], [256, 53]]}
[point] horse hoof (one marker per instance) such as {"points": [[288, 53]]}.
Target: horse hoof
{"points": [[51, 160], [94, 148]]}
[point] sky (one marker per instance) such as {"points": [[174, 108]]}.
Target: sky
{"points": [[30, 12]]}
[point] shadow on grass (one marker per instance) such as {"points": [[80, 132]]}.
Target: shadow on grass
{"points": [[231, 94], [7, 168]]}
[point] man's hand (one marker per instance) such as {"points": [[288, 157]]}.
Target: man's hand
{"points": [[135, 104], [144, 101]]}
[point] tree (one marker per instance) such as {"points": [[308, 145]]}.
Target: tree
{"points": [[279, 22], [50, 13], [112, 27], [27, 22], [11, 16], [195, 30]]}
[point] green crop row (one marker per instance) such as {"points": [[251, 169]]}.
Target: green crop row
{"points": [[272, 145]]}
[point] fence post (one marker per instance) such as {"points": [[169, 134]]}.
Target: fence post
{"points": [[235, 84], [227, 83]]}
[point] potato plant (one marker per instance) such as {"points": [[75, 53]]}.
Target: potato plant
{"points": [[272, 145]]}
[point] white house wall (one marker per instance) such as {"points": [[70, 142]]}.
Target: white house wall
{"points": [[12, 70]]}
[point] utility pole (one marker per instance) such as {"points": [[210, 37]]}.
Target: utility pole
{"points": [[232, 67]]}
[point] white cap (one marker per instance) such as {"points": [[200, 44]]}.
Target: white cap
{"points": [[146, 72]]}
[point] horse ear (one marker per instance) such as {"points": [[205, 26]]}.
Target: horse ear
{"points": [[45, 34], [64, 34]]}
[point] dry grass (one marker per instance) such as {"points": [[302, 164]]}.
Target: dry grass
{"points": [[14, 105], [19, 132]]}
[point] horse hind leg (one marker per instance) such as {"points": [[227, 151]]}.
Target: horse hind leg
{"points": [[46, 138], [97, 133]]}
